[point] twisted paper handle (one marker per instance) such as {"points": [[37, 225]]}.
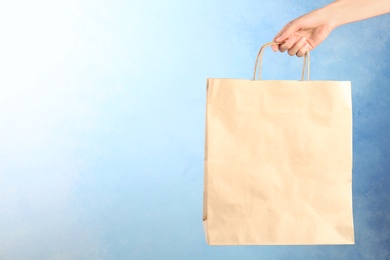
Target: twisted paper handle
{"points": [[259, 59]]}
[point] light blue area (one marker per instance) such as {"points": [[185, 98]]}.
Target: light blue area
{"points": [[102, 109]]}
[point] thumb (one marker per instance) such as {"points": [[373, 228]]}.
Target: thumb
{"points": [[287, 31]]}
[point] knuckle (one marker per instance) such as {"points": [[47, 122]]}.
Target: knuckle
{"points": [[290, 40], [289, 24]]}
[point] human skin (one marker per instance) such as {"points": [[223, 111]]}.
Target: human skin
{"points": [[306, 32]]}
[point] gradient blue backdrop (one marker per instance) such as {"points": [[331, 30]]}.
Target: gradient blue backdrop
{"points": [[102, 108]]}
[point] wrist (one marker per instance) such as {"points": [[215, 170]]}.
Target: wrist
{"points": [[333, 14]]}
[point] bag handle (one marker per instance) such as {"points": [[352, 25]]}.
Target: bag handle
{"points": [[259, 59]]}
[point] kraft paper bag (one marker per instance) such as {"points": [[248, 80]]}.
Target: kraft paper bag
{"points": [[278, 161]]}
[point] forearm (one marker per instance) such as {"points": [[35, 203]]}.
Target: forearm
{"points": [[306, 32], [342, 12]]}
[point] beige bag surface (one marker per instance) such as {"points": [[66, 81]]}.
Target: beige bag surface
{"points": [[278, 161]]}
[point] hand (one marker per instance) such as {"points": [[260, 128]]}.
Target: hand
{"points": [[304, 33]]}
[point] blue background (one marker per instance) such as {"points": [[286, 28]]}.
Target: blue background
{"points": [[102, 109]]}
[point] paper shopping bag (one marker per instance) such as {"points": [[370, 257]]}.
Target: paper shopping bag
{"points": [[278, 162]]}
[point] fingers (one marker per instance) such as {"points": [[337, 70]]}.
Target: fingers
{"points": [[291, 40], [295, 45], [287, 45], [287, 31], [277, 37], [302, 51], [279, 33], [293, 50]]}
